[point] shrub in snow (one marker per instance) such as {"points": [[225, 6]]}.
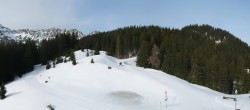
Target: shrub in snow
{"points": [[51, 107], [92, 61], [109, 67], [97, 52], [87, 55], [59, 60], [120, 64], [48, 66]]}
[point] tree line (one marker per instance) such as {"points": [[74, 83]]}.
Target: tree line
{"points": [[17, 59]]}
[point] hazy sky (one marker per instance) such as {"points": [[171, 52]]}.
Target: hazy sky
{"points": [[104, 15]]}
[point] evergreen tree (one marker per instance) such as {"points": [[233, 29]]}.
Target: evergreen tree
{"points": [[143, 55], [72, 58], [30, 55], [2, 91], [97, 49], [197, 74], [118, 46], [154, 58]]}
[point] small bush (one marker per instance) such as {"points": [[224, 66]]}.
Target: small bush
{"points": [[59, 60], [109, 67], [51, 107], [92, 61], [48, 66]]}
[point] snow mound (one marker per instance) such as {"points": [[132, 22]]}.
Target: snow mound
{"points": [[127, 97]]}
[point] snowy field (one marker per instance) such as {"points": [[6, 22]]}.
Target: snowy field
{"points": [[87, 86]]}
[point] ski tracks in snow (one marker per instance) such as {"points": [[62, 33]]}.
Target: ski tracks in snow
{"points": [[62, 94]]}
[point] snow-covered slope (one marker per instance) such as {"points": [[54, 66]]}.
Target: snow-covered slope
{"points": [[34, 34], [88, 86]]}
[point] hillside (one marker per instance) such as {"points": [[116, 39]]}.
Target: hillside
{"points": [[200, 54], [87, 86]]}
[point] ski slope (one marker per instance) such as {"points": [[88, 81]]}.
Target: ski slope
{"points": [[87, 86]]}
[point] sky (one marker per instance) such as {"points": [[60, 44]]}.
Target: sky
{"points": [[105, 15]]}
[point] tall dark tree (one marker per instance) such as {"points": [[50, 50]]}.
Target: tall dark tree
{"points": [[197, 73], [72, 58], [2, 91], [30, 55], [143, 55], [97, 52], [118, 46], [154, 58]]}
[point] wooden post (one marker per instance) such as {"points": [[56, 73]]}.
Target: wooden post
{"points": [[166, 98]]}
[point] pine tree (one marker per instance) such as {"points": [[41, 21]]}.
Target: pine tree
{"points": [[143, 55], [73, 58], [97, 49], [30, 56], [2, 91], [197, 74], [118, 46], [154, 58]]}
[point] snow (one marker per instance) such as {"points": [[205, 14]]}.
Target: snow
{"points": [[218, 41], [88, 86]]}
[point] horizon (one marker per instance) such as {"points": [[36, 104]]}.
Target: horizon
{"points": [[93, 15]]}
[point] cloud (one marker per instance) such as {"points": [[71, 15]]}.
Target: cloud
{"points": [[36, 14]]}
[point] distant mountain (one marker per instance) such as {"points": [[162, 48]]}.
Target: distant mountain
{"points": [[94, 32], [37, 35]]}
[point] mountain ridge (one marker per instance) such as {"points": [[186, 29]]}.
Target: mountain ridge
{"points": [[21, 35]]}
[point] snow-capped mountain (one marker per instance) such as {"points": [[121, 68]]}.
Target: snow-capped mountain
{"points": [[34, 34], [5, 33], [94, 32]]}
